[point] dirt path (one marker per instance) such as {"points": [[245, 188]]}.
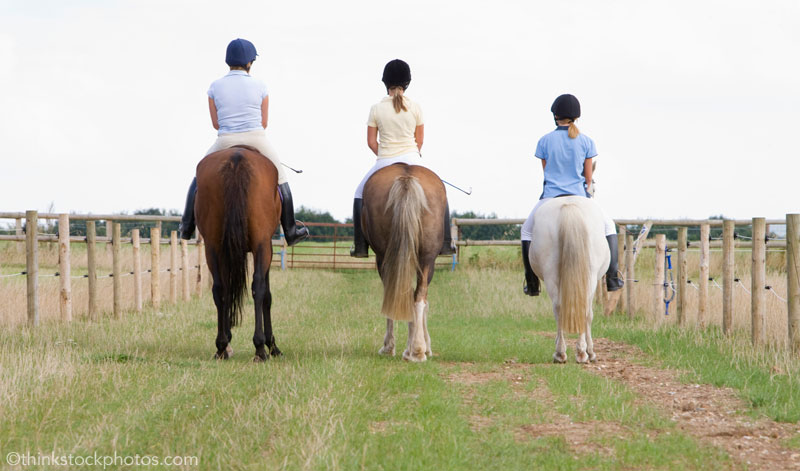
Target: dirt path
{"points": [[714, 416], [711, 414]]}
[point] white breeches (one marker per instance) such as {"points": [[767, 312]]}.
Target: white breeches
{"points": [[257, 139], [527, 228], [412, 158]]}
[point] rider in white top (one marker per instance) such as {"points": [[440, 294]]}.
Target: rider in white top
{"points": [[239, 107], [398, 121], [567, 163]]}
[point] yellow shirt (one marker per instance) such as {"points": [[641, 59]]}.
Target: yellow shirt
{"points": [[395, 130]]}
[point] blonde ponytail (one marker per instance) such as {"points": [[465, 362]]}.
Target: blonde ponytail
{"points": [[573, 130], [397, 99]]}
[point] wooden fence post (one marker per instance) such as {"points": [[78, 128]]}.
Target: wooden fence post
{"points": [[64, 271], [186, 295], [109, 234], [117, 272], [705, 261], [683, 276], [660, 274], [137, 270], [759, 281], [91, 256], [201, 259], [32, 265], [173, 267], [793, 279], [155, 267], [728, 229], [630, 276]]}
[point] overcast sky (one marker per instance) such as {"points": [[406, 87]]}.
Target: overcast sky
{"points": [[692, 104]]}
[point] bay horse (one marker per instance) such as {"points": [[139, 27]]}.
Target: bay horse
{"points": [[570, 253], [237, 209], [403, 222]]}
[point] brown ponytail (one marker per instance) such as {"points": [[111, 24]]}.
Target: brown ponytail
{"points": [[397, 99]]}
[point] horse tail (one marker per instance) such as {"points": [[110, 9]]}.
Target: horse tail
{"points": [[573, 269], [233, 253], [400, 266]]}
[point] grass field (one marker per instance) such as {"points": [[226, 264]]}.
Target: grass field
{"points": [[489, 399]]}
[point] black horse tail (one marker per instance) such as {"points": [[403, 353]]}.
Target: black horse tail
{"points": [[233, 254]]}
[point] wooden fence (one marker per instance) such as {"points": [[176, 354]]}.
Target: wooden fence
{"points": [[629, 248]]}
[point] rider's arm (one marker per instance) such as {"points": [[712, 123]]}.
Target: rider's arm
{"points": [[264, 112], [212, 108], [544, 162], [419, 136], [372, 139], [587, 172]]}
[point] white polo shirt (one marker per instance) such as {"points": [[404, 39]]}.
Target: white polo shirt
{"points": [[238, 97], [395, 130]]}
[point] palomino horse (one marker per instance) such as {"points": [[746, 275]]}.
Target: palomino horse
{"points": [[402, 218], [237, 209], [570, 253]]}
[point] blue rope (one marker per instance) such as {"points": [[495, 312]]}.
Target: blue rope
{"points": [[668, 284]]}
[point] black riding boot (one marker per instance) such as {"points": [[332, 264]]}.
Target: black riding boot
{"points": [[291, 232], [186, 228], [447, 245], [360, 248], [531, 287], [613, 282]]}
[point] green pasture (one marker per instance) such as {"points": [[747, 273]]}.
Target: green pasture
{"points": [[146, 384]]}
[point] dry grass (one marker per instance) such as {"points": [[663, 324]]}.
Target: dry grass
{"points": [[13, 290], [648, 293]]}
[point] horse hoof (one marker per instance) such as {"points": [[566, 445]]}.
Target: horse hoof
{"points": [[258, 359], [221, 356], [582, 358], [229, 351], [592, 357], [273, 351], [408, 356], [386, 351], [559, 358]]}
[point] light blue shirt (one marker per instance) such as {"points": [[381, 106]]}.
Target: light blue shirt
{"points": [[563, 174], [238, 98]]}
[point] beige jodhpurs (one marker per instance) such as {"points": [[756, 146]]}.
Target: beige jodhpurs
{"points": [[257, 139]]}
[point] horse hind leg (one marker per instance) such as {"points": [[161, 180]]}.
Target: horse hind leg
{"points": [[580, 349], [259, 293], [560, 355], [589, 342], [428, 350], [272, 347], [416, 346], [224, 350], [388, 339]]}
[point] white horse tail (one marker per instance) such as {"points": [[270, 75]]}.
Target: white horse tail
{"points": [[400, 266], [573, 269]]}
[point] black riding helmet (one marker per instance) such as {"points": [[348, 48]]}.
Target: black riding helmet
{"points": [[396, 74], [566, 106]]}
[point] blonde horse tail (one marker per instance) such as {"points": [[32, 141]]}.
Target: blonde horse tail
{"points": [[400, 266], [573, 269]]}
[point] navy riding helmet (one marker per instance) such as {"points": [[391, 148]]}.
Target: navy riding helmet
{"points": [[396, 73], [240, 53], [566, 107]]}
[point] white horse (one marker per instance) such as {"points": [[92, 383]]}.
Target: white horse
{"points": [[570, 253]]}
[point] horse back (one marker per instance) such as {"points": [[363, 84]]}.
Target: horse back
{"points": [[237, 173], [376, 220]]}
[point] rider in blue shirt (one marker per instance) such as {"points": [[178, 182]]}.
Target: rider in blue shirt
{"points": [[567, 157]]}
